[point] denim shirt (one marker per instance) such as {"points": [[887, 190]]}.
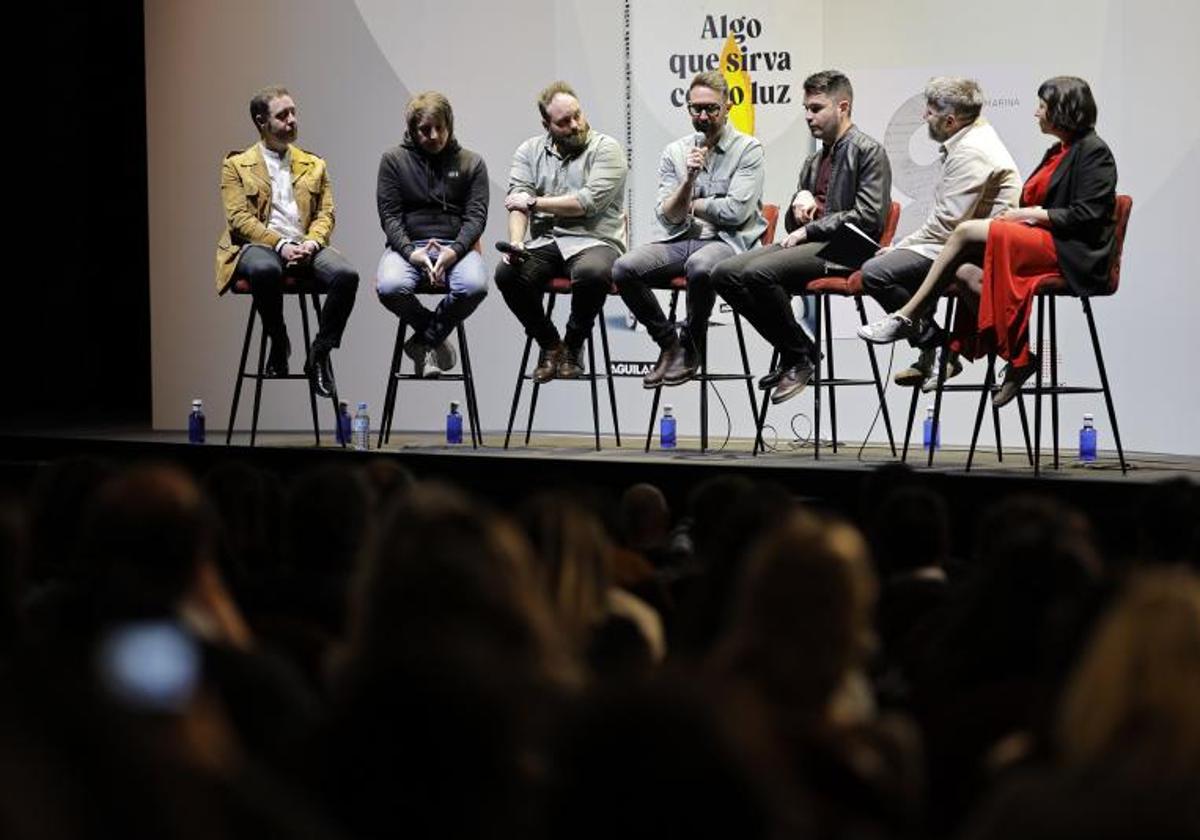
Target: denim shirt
{"points": [[596, 179], [731, 182]]}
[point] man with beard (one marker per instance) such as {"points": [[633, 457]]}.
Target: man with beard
{"points": [[848, 179], [433, 205], [978, 180], [709, 208], [566, 203], [279, 213]]}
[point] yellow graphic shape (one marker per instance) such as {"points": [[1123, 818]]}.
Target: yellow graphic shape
{"points": [[741, 114]]}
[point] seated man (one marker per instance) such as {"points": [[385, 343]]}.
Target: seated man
{"points": [[566, 193], [279, 211], [709, 208], [433, 205], [848, 179], [978, 180]]}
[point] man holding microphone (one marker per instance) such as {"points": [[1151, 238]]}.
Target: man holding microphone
{"points": [[709, 208]]}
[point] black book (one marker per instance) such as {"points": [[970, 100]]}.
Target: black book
{"points": [[849, 247]]}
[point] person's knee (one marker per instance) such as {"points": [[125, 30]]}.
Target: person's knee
{"points": [[261, 271], [591, 275], [699, 270], [471, 284], [724, 276], [507, 276], [345, 279], [623, 273], [393, 281], [875, 277]]}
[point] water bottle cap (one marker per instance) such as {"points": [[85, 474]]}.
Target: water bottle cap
{"points": [[343, 404], [362, 406], [929, 410], [1087, 418], [196, 403], [454, 404], [667, 409]]}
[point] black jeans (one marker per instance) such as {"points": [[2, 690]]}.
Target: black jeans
{"points": [[331, 273], [759, 286], [523, 284]]}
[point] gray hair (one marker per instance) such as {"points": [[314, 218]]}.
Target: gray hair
{"points": [[963, 97]]}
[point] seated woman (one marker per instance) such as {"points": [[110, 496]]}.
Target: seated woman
{"points": [[1063, 227]]}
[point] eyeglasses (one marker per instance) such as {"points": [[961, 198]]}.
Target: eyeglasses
{"points": [[710, 108]]}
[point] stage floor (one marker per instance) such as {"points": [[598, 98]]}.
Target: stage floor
{"points": [[783, 455], [847, 482]]}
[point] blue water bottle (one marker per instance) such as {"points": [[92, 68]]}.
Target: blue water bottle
{"points": [[342, 430], [362, 428], [196, 422], [1087, 440], [453, 424], [666, 428], [929, 436]]}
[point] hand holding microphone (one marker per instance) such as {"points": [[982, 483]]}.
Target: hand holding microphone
{"points": [[697, 155]]}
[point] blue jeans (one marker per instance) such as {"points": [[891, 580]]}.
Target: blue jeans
{"points": [[397, 280]]}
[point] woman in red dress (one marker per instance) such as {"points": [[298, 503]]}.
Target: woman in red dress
{"points": [[1064, 227]]}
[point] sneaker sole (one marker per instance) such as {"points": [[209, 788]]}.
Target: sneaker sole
{"points": [[909, 378]]}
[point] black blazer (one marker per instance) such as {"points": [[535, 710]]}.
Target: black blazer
{"points": [[1080, 203]]}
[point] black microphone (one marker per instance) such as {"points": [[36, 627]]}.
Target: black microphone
{"points": [[515, 253]]}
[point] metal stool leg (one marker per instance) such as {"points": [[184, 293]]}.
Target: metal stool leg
{"points": [[612, 390], [591, 347], [887, 420], [389, 391], [1108, 400], [312, 397], [241, 374], [762, 412]]}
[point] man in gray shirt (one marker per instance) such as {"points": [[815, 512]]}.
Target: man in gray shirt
{"points": [[709, 208], [566, 217], [978, 180]]}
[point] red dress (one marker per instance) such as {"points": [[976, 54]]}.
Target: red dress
{"points": [[1018, 257]]}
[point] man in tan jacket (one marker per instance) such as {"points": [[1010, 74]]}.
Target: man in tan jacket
{"points": [[279, 214]]}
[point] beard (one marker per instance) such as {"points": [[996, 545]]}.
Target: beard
{"points": [[574, 143]]}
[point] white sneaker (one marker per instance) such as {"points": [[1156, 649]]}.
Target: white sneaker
{"points": [[445, 356], [887, 329]]}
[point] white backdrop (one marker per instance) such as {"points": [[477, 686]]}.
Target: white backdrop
{"points": [[351, 67]]}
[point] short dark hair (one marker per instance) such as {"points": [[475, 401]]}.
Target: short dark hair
{"points": [[832, 83], [711, 79], [429, 104], [549, 92], [1070, 106], [260, 103]]}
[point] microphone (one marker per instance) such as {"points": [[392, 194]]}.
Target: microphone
{"points": [[698, 141]]}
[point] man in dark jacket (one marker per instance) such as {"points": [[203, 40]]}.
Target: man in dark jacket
{"points": [[433, 204], [848, 179]]}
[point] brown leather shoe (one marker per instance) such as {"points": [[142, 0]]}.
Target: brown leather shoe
{"points": [[654, 378], [794, 380], [548, 361], [682, 364], [571, 364]]}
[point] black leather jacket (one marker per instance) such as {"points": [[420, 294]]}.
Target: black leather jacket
{"points": [[422, 196], [860, 187]]}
